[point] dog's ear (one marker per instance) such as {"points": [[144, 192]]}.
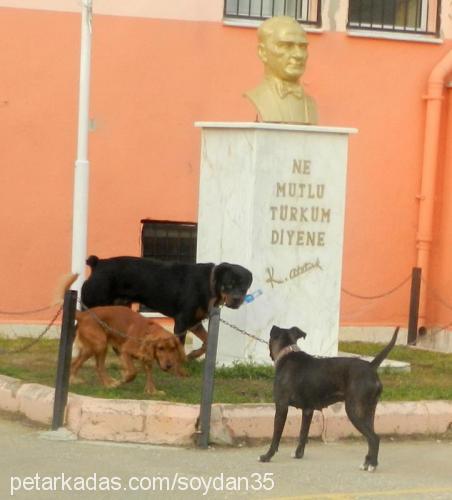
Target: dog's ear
{"points": [[146, 352], [242, 273], [219, 270], [248, 276], [275, 332], [295, 334]]}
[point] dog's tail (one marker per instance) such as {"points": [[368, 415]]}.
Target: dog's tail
{"points": [[376, 362], [63, 285], [92, 261]]}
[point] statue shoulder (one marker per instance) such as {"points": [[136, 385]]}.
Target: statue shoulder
{"points": [[259, 92]]}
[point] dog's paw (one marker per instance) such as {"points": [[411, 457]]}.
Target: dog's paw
{"points": [[112, 383], [182, 373], [154, 392], [264, 458], [367, 467], [298, 454]]}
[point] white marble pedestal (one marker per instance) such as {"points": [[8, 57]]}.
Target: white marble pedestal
{"points": [[272, 199]]}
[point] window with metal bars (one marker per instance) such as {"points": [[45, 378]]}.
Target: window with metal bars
{"points": [[400, 16], [305, 11], [169, 241]]}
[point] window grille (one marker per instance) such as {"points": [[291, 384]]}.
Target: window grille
{"points": [[304, 11], [401, 16], [169, 241]]}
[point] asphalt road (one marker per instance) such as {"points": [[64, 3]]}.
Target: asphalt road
{"points": [[32, 467]]}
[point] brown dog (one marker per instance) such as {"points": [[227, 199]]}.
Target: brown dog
{"points": [[132, 336]]}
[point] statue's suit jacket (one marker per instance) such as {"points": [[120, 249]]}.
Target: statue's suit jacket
{"points": [[272, 107]]}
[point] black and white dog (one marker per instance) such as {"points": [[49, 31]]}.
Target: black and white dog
{"points": [[184, 292]]}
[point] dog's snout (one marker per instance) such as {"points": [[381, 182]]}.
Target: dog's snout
{"points": [[235, 302]]}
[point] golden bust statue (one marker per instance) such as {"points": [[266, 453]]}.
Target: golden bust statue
{"points": [[283, 49]]}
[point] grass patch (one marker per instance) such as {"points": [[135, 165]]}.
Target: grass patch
{"points": [[237, 384], [430, 377]]}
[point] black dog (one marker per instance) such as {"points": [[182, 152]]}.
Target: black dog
{"points": [[310, 383], [184, 292]]}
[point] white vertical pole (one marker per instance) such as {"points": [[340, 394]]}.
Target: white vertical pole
{"points": [[81, 174]]}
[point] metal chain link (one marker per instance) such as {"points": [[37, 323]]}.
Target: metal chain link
{"points": [[243, 332], [102, 323], [31, 311], [34, 341], [108, 328], [436, 295], [392, 290]]}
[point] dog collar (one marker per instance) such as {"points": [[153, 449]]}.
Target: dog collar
{"points": [[285, 351]]}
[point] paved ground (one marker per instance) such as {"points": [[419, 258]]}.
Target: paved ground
{"points": [[409, 470]]}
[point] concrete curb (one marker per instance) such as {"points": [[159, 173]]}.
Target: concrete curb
{"points": [[159, 422]]}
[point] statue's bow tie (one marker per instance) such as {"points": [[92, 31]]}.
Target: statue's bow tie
{"points": [[284, 89]]}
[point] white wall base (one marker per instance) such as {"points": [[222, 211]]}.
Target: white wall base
{"points": [[31, 330], [436, 341]]}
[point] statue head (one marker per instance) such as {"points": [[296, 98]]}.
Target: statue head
{"points": [[283, 48]]}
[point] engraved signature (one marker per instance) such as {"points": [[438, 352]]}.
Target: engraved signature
{"points": [[295, 272]]}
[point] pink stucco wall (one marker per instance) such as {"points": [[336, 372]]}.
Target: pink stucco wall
{"points": [[151, 80]]}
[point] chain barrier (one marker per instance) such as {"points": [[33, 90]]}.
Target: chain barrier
{"points": [[109, 329], [34, 341], [370, 297], [435, 295], [24, 313], [379, 296], [431, 291], [243, 332], [258, 339], [103, 324]]}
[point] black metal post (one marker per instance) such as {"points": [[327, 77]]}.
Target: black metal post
{"points": [[208, 378], [64, 358], [414, 305]]}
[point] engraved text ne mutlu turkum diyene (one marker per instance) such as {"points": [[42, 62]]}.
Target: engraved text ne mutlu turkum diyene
{"points": [[299, 213]]}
